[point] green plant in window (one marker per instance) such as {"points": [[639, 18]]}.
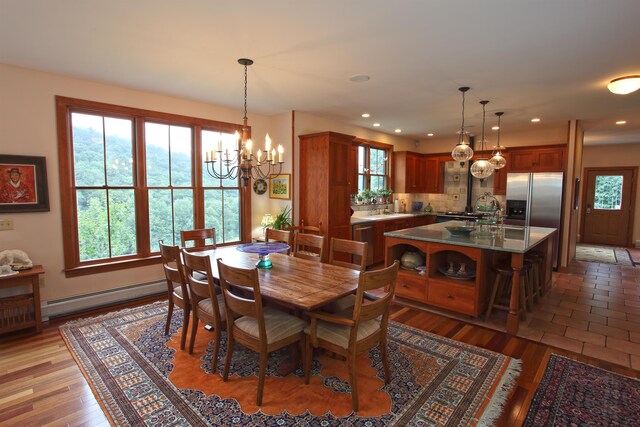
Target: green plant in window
{"points": [[283, 219], [385, 195], [367, 196]]}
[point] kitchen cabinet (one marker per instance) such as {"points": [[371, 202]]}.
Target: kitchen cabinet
{"points": [[500, 179], [326, 175], [434, 174], [383, 226], [543, 159], [408, 172]]}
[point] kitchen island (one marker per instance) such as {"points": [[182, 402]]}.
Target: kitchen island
{"points": [[443, 285]]}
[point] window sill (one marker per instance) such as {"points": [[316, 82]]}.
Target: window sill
{"points": [[85, 270]]}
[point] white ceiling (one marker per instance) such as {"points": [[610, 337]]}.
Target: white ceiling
{"points": [[548, 58]]}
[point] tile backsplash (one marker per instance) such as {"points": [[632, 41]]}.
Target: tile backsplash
{"points": [[454, 197]]}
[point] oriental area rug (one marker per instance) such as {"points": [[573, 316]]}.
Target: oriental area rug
{"points": [[575, 394], [141, 377]]}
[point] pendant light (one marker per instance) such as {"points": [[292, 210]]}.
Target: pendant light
{"points": [[462, 151], [498, 161], [481, 168]]}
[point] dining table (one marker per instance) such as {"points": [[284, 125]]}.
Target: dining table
{"points": [[302, 284]]}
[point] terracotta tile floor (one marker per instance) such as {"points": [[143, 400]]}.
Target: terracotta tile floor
{"points": [[593, 309]]}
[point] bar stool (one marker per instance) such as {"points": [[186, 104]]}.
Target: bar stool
{"points": [[535, 278], [501, 291]]}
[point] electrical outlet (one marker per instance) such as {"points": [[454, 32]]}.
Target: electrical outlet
{"points": [[6, 224]]}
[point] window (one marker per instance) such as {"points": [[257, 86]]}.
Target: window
{"points": [[608, 194], [373, 166], [135, 177]]}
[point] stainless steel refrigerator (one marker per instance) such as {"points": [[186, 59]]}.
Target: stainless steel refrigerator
{"points": [[535, 199]]}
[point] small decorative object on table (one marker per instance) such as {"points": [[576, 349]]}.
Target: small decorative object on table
{"points": [[461, 272], [460, 230], [263, 249]]}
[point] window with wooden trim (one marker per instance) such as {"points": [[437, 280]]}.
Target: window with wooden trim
{"points": [[373, 167], [130, 178]]}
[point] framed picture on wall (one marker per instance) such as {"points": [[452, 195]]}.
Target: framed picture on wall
{"points": [[280, 187], [23, 184]]}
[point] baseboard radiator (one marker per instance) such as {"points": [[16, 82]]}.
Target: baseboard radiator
{"points": [[72, 305]]}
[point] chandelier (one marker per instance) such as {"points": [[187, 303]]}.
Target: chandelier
{"points": [[497, 160], [482, 168], [462, 151], [241, 161]]}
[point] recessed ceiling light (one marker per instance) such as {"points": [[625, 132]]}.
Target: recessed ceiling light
{"points": [[535, 120], [429, 134], [621, 122], [377, 125], [398, 130], [365, 115], [495, 128], [359, 78]]}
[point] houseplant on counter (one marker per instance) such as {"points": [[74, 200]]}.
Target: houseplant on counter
{"points": [[384, 195], [368, 196]]}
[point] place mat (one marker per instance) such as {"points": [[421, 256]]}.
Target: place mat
{"points": [[141, 377]]}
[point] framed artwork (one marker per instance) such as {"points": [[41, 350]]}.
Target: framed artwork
{"points": [[23, 184], [280, 187]]}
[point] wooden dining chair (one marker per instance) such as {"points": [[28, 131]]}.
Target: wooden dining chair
{"points": [[308, 229], [357, 253], [282, 236], [309, 246], [207, 305], [199, 238], [177, 288], [259, 328], [366, 328]]}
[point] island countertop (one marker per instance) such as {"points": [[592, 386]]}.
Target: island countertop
{"points": [[509, 238]]}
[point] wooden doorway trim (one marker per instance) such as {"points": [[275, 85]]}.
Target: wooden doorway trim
{"points": [[634, 186]]}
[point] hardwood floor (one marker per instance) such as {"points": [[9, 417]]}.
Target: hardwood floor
{"points": [[41, 384]]}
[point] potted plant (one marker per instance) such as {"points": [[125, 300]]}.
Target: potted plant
{"points": [[283, 219], [366, 196], [385, 195], [358, 198]]}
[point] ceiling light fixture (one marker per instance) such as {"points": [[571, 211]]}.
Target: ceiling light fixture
{"points": [[624, 85], [482, 168], [621, 122], [242, 162], [398, 130], [497, 160], [365, 115], [462, 151], [375, 125], [535, 120], [429, 134]]}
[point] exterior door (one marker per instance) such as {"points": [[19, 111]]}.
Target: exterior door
{"points": [[606, 213]]}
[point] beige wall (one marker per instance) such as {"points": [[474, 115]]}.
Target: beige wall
{"points": [[616, 155], [28, 127]]}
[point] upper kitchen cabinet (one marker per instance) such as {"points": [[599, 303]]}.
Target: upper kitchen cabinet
{"points": [[434, 173], [408, 172], [500, 179], [543, 159], [327, 169]]}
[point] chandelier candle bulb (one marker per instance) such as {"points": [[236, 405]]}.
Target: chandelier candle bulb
{"points": [[273, 156], [248, 147], [259, 156], [280, 154]]}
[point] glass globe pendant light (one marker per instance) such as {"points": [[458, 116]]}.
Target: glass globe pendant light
{"points": [[498, 161], [482, 168], [462, 151]]}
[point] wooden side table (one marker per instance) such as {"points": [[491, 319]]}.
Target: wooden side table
{"points": [[21, 311]]}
